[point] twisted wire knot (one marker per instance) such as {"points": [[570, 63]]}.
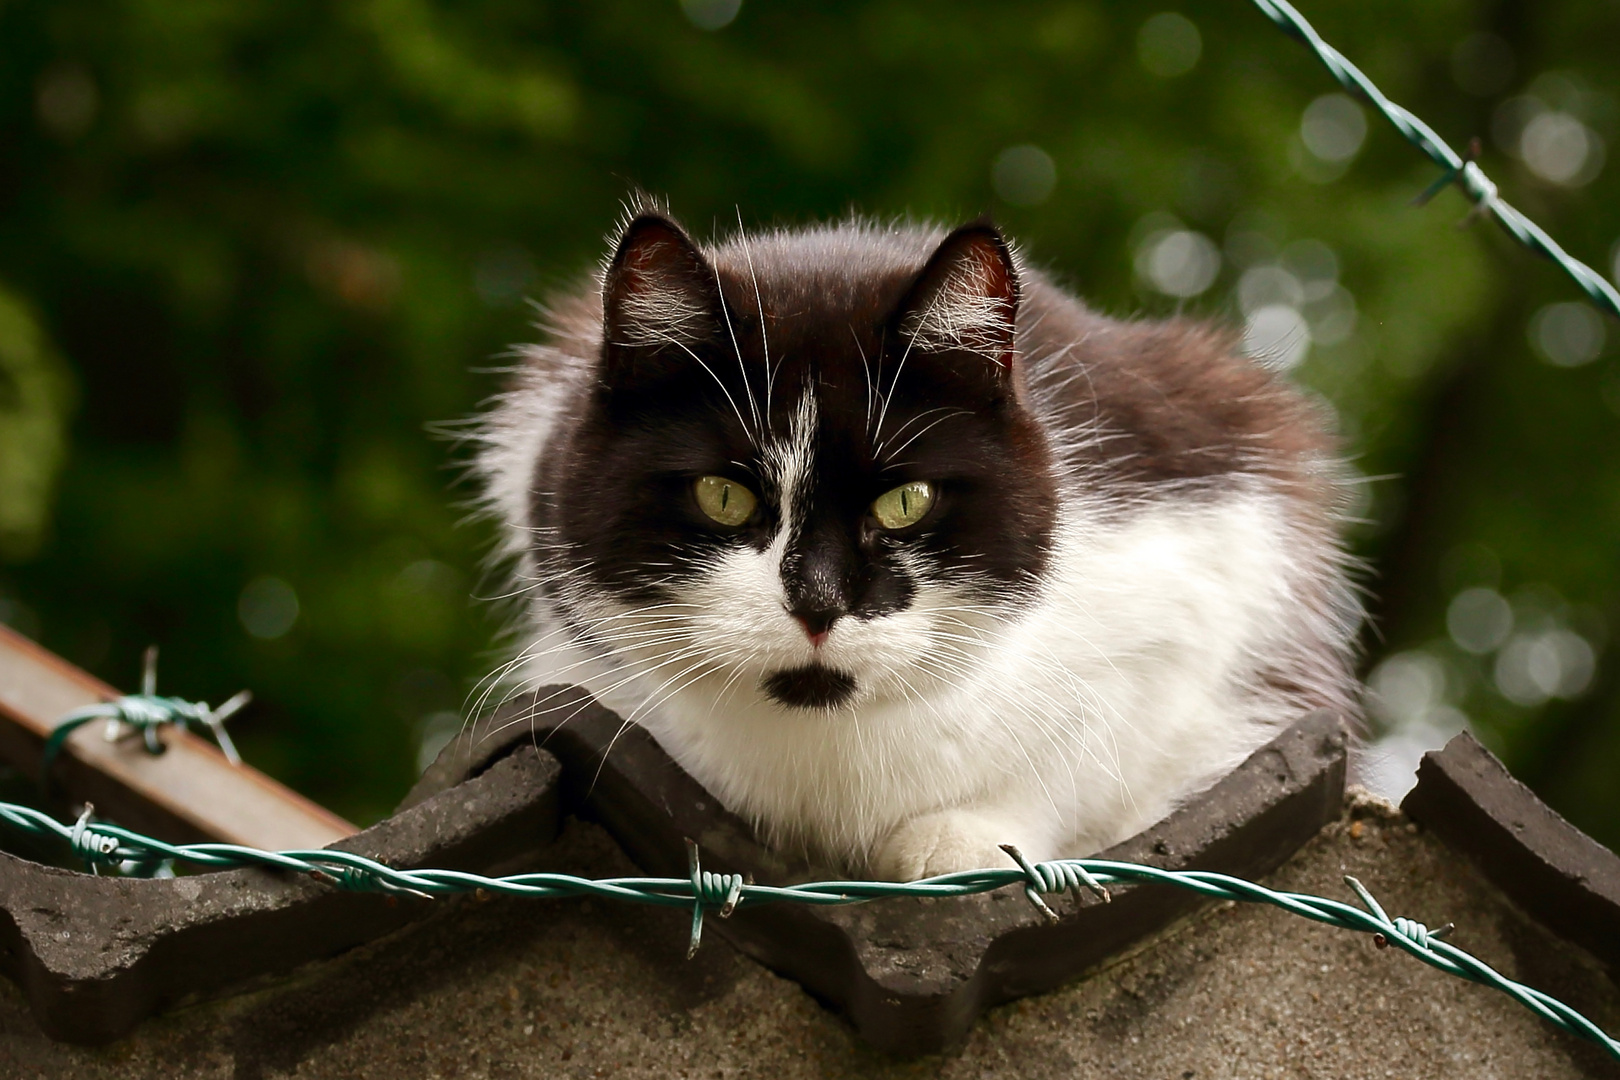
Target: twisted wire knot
{"points": [[144, 710], [1412, 931], [719, 890], [363, 879], [1480, 188], [1466, 174], [1415, 932], [709, 890], [147, 712], [347, 878], [1054, 877], [1065, 875], [91, 844], [1408, 929]]}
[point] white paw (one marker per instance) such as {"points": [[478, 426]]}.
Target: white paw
{"points": [[943, 842]]}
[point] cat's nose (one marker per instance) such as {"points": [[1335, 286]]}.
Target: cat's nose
{"points": [[817, 622]]}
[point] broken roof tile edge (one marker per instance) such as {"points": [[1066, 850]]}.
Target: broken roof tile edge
{"points": [[1561, 877]]}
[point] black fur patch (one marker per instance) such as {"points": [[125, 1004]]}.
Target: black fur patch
{"points": [[813, 686]]}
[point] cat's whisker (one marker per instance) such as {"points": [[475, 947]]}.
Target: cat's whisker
{"points": [[1102, 655], [1050, 726], [724, 389], [759, 303], [531, 713], [657, 697], [660, 694], [532, 651], [742, 368], [884, 451], [585, 703], [866, 369], [894, 381], [1082, 692], [569, 637]]}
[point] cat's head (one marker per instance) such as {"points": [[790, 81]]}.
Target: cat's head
{"points": [[803, 469]]}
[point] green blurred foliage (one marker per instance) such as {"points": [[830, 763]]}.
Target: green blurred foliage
{"points": [[274, 242], [35, 400]]}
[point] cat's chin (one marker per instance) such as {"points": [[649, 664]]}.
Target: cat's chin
{"points": [[813, 686]]}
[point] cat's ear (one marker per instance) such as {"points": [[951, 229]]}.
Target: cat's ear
{"points": [[966, 297], [658, 289]]}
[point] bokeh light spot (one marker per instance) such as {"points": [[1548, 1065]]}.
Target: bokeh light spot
{"points": [[268, 608], [1567, 334], [1534, 668], [1277, 336], [1479, 619], [1169, 45], [1261, 286], [710, 14], [1024, 175], [1333, 128], [1179, 262], [1405, 687], [1560, 149]]}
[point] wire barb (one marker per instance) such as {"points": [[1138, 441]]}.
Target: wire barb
{"points": [[95, 847], [215, 719], [1473, 182], [1055, 877], [709, 890], [1400, 927]]}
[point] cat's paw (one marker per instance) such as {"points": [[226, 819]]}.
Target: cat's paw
{"points": [[943, 842]]}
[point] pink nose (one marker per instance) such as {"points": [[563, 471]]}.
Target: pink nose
{"points": [[816, 636]]}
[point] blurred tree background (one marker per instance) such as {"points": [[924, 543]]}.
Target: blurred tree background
{"points": [[250, 252]]}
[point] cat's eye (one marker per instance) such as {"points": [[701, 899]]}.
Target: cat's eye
{"points": [[904, 505], [726, 501]]}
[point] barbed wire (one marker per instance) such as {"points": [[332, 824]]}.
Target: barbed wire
{"points": [[103, 844], [1458, 169], [143, 714]]}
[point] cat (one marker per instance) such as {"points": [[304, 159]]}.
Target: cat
{"points": [[903, 552]]}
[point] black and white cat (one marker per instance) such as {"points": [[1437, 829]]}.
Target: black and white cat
{"points": [[903, 552]]}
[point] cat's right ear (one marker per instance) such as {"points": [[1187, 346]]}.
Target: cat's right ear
{"points": [[966, 298], [659, 292]]}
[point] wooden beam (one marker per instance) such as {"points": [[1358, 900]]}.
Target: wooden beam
{"points": [[186, 794]]}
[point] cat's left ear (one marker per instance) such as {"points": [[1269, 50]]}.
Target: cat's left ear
{"points": [[966, 297], [658, 289]]}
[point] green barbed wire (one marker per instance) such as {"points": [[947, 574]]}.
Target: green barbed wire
{"points": [[102, 844], [1457, 169], [143, 714]]}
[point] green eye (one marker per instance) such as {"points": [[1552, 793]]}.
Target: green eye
{"points": [[903, 506], [726, 501]]}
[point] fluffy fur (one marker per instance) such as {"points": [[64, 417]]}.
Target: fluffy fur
{"points": [[1132, 579]]}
